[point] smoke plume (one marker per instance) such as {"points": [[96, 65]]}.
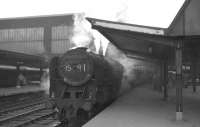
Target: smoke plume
{"points": [[127, 63], [81, 35]]}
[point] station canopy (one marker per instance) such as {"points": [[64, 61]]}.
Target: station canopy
{"points": [[145, 41]]}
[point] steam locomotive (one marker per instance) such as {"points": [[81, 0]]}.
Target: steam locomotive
{"points": [[82, 83]]}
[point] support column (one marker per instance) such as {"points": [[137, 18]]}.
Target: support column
{"points": [[165, 80], [194, 74], [179, 81], [18, 69], [47, 43], [18, 73], [41, 72]]}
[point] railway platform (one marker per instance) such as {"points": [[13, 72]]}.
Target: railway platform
{"points": [[23, 89], [143, 107]]}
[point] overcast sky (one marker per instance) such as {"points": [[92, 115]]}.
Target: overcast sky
{"points": [[158, 13]]}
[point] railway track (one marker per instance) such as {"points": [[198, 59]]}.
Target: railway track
{"points": [[21, 105], [37, 116], [28, 113], [14, 100]]}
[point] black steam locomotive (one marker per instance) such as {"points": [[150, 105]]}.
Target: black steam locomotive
{"points": [[82, 83]]}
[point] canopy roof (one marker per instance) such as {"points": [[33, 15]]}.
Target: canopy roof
{"points": [[150, 43]]}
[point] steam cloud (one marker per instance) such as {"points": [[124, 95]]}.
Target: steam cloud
{"points": [[128, 64], [81, 35]]}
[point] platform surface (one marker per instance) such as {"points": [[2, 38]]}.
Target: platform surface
{"points": [[143, 107], [23, 89]]}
